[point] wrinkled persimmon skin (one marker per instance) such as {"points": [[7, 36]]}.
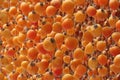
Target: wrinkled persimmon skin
{"points": [[59, 40]]}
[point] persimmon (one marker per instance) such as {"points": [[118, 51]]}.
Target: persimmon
{"points": [[115, 36], [58, 18], [78, 53], [101, 15], [43, 65], [67, 23], [33, 16], [68, 77], [29, 44], [71, 43], [103, 3], [118, 25], [40, 8], [87, 36], [102, 59], [117, 60], [57, 71], [59, 39], [64, 48], [114, 68], [57, 27], [49, 44], [13, 75], [21, 22], [102, 71], [89, 48], [96, 30], [31, 34], [101, 45], [80, 2], [57, 62], [92, 63], [66, 70], [47, 27], [21, 37], [74, 63], [79, 16], [13, 11], [32, 53], [51, 10], [56, 3], [32, 68], [48, 75], [106, 31], [114, 50], [91, 11], [25, 8], [59, 53], [66, 59], [92, 72], [22, 77], [11, 52], [67, 6], [80, 71], [114, 4], [40, 48], [112, 20]]}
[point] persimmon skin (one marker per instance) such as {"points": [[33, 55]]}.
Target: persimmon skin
{"points": [[102, 59], [25, 8], [71, 43], [80, 71], [103, 71], [31, 34], [115, 36], [50, 11], [56, 3], [91, 11], [49, 44], [33, 16], [103, 3], [114, 4], [67, 77], [118, 25], [40, 8], [32, 53], [79, 16], [32, 68], [106, 31], [78, 53], [67, 23], [59, 39], [101, 45], [115, 50], [117, 60], [68, 4]]}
